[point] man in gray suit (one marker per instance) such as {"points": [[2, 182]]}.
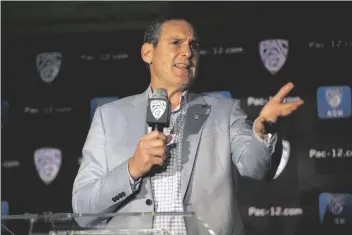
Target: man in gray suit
{"points": [[208, 136]]}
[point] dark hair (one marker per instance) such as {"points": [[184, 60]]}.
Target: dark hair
{"points": [[152, 32]]}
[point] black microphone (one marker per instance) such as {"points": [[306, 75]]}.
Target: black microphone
{"points": [[159, 110]]}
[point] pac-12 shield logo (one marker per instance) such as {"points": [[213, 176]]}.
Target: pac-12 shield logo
{"points": [[333, 96], [334, 102], [273, 53], [158, 108], [47, 163], [48, 65], [336, 206]]}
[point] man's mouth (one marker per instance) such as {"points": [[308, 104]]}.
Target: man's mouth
{"points": [[182, 66]]}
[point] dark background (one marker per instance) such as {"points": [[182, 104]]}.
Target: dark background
{"points": [[320, 54]]}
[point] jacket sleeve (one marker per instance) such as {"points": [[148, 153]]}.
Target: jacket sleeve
{"points": [[251, 155], [95, 189]]}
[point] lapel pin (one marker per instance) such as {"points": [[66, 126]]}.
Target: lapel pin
{"points": [[196, 116]]}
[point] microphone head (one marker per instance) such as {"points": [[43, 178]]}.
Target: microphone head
{"points": [[159, 93], [159, 109]]}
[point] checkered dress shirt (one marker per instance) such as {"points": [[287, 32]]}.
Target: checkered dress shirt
{"points": [[166, 184]]}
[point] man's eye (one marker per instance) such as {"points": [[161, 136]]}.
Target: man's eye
{"points": [[176, 42], [195, 46]]}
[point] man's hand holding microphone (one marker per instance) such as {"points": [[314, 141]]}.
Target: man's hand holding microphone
{"points": [[150, 151], [151, 148]]}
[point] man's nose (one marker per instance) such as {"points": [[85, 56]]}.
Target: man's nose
{"points": [[186, 50]]}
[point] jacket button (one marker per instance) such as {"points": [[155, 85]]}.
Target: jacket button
{"points": [[148, 202]]}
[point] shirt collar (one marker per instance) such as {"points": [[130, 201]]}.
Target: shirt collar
{"points": [[183, 101]]}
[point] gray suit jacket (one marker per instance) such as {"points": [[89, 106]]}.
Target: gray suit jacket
{"points": [[215, 140]]}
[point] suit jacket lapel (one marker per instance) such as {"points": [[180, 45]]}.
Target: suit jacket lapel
{"points": [[196, 115], [138, 117]]}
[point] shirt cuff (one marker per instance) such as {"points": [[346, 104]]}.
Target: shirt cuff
{"points": [[269, 139], [134, 183]]}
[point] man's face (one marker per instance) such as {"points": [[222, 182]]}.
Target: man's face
{"points": [[175, 58]]}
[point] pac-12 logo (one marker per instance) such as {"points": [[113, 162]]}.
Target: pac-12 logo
{"points": [[335, 208], [157, 107], [334, 102], [47, 163], [48, 65], [273, 53]]}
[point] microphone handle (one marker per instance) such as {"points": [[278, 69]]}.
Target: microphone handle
{"points": [[156, 168], [158, 127]]}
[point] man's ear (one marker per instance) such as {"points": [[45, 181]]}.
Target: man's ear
{"points": [[147, 51]]}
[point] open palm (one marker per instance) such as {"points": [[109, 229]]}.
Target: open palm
{"points": [[275, 108]]}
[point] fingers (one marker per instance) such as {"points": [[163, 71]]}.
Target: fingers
{"points": [[297, 102], [288, 108], [154, 135], [157, 161], [155, 143], [284, 112], [283, 92], [150, 151], [158, 152]]}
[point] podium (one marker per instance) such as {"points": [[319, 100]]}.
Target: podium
{"points": [[66, 224]]}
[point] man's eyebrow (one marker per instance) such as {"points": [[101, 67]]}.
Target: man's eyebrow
{"points": [[181, 38], [195, 41], [176, 38]]}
